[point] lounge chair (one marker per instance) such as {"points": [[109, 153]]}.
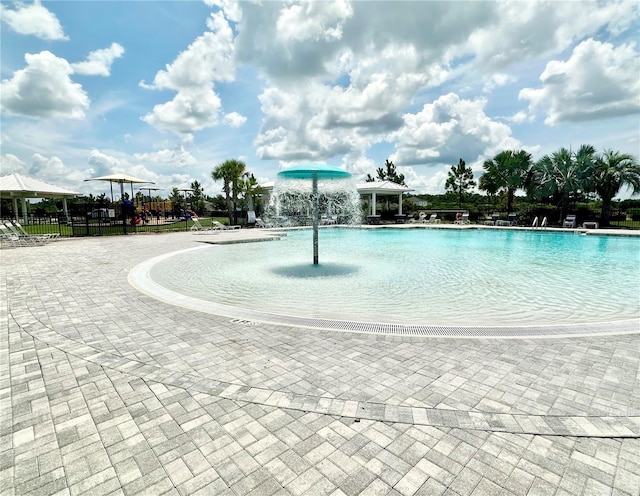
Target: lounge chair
{"points": [[512, 218], [260, 222], [433, 219], [569, 221], [24, 233], [29, 238], [222, 227], [9, 237]]}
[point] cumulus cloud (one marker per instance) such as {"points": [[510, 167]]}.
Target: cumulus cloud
{"points": [[44, 89], [189, 111], [33, 19], [234, 119], [177, 157], [99, 62], [313, 20], [231, 8], [525, 30], [12, 164], [597, 81], [447, 129], [196, 105]]}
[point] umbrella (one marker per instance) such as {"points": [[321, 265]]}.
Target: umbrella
{"points": [[121, 179]]}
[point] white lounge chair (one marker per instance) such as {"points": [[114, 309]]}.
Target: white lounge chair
{"points": [[222, 227], [433, 219], [48, 236], [569, 221], [260, 222], [10, 238], [24, 236]]}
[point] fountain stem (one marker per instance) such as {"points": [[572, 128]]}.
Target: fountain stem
{"points": [[316, 214]]}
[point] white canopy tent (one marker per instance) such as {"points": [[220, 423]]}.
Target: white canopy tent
{"points": [[19, 187]]}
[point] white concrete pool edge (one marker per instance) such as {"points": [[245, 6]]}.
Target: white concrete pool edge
{"points": [[140, 279]]}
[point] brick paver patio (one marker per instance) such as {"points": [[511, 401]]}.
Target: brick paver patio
{"points": [[105, 390]]}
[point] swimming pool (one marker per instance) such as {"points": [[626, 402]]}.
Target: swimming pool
{"points": [[439, 277]]}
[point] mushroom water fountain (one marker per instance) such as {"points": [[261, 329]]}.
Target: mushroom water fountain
{"points": [[323, 188]]}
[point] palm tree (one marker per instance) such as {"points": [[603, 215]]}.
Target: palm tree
{"points": [[508, 170], [613, 170], [489, 182], [230, 172], [563, 174], [460, 180]]}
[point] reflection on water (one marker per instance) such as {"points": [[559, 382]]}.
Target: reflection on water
{"points": [[301, 271]]}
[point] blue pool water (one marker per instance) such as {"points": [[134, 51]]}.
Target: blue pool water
{"points": [[420, 276]]}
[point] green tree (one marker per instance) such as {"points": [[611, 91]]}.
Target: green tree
{"points": [[250, 188], [563, 174], [509, 171], [611, 171], [489, 182], [176, 201], [459, 180], [230, 172], [388, 173], [197, 197]]}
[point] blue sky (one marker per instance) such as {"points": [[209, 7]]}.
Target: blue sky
{"points": [[167, 90]]}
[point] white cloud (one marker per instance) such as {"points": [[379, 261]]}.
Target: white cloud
{"points": [[598, 81], [188, 112], [519, 117], [313, 20], [99, 62], [196, 105], [525, 30], [231, 8], [176, 157], [12, 164], [234, 119], [447, 129], [33, 19], [44, 89]]}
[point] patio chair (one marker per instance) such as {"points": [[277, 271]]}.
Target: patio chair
{"points": [[10, 238], [30, 238], [260, 222], [433, 219], [219, 225], [569, 221], [24, 233], [512, 219]]}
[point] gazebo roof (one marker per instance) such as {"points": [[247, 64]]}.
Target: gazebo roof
{"points": [[382, 187], [19, 186]]}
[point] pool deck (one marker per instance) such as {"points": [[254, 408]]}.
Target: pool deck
{"points": [[105, 391]]}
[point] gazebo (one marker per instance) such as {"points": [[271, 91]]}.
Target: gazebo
{"points": [[17, 186], [382, 188]]}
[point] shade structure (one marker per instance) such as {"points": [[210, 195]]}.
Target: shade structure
{"points": [[16, 186], [382, 188], [308, 171], [121, 179]]}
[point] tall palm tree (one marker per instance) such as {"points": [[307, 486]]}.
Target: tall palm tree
{"points": [[508, 170], [564, 173], [459, 180], [230, 172], [613, 170]]}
